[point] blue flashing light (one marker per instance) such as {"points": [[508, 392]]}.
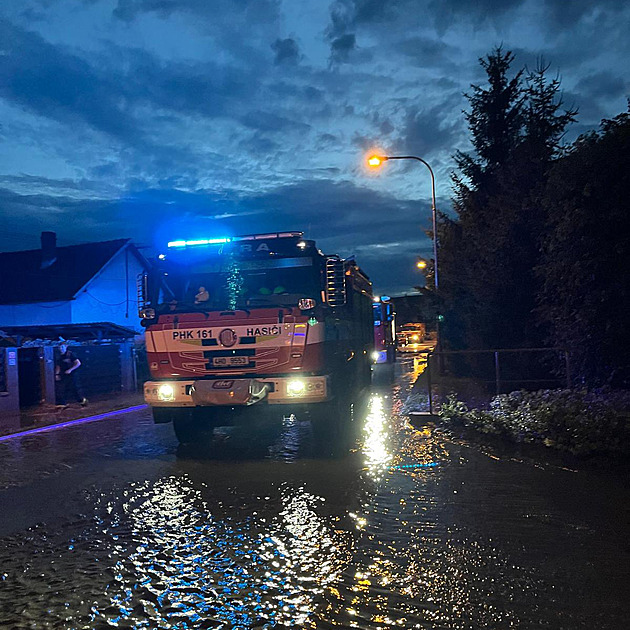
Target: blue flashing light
{"points": [[382, 356], [203, 241]]}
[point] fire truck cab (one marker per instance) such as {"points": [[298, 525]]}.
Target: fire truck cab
{"points": [[264, 319]]}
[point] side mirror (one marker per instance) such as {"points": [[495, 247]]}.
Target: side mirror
{"points": [[335, 281]]}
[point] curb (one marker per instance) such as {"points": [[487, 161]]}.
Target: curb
{"points": [[69, 423]]}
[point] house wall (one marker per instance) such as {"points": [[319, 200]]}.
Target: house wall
{"points": [[111, 296], [35, 314]]}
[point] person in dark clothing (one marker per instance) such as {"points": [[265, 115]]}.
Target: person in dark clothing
{"points": [[66, 378]]}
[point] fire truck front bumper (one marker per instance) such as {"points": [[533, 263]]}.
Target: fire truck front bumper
{"points": [[237, 391]]}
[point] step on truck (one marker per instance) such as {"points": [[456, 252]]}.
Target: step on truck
{"points": [[250, 321]]}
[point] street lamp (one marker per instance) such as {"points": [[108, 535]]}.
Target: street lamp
{"points": [[376, 161]]}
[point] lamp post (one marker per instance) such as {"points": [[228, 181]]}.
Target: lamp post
{"points": [[377, 160]]}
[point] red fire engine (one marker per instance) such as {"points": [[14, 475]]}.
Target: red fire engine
{"points": [[384, 331], [263, 319]]}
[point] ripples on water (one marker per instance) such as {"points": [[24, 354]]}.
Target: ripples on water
{"points": [[333, 546]]}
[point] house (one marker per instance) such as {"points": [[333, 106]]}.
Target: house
{"points": [[85, 294], [79, 284]]}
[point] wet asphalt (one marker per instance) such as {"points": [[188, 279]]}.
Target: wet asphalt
{"points": [[274, 525]]}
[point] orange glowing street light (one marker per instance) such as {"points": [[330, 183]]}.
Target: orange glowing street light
{"points": [[421, 264], [375, 160]]}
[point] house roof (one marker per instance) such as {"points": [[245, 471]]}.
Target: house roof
{"points": [[97, 331], [22, 280]]}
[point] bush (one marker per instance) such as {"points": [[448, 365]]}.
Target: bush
{"points": [[578, 421]]}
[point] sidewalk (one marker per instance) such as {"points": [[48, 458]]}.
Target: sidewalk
{"points": [[47, 415], [466, 389], [417, 402]]}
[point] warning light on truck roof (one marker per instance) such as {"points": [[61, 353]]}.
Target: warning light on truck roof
{"points": [[205, 241]]}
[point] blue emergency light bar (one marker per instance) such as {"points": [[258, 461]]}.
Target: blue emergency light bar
{"points": [[222, 241], [205, 241]]}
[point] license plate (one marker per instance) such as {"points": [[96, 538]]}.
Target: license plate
{"points": [[229, 361]]}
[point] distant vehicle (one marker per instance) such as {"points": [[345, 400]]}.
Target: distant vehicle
{"points": [[410, 337], [384, 330], [263, 319]]}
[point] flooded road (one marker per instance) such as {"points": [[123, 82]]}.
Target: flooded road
{"points": [[112, 524]]}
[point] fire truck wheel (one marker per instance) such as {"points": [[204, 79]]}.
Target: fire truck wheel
{"points": [[185, 432], [193, 427], [162, 415]]}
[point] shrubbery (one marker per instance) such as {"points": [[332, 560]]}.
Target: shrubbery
{"points": [[578, 421]]}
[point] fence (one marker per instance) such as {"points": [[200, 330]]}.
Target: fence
{"points": [[3, 371], [477, 375]]}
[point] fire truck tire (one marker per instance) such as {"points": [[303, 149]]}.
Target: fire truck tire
{"points": [[185, 430], [190, 427], [162, 415]]}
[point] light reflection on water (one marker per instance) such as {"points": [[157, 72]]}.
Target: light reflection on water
{"points": [[376, 444], [379, 538]]}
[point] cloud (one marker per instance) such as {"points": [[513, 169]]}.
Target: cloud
{"points": [[428, 52], [372, 15], [341, 47], [603, 84], [258, 11], [566, 14], [52, 83], [266, 121], [198, 115], [342, 217], [286, 50], [430, 130]]}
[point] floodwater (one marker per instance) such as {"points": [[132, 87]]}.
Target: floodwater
{"points": [[112, 524]]}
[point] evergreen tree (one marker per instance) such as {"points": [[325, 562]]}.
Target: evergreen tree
{"points": [[585, 297], [487, 255]]}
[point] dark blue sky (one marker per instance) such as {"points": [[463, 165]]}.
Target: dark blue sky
{"points": [[163, 119]]}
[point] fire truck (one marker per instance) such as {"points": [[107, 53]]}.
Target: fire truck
{"points": [[254, 320], [384, 331], [410, 337]]}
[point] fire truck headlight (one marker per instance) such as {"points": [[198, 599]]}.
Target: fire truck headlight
{"points": [[166, 392], [296, 387]]}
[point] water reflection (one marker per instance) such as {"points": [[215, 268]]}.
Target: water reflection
{"points": [[376, 445], [171, 564], [391, 535]]}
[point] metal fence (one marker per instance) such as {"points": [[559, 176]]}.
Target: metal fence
{"points": [[477, 375]]}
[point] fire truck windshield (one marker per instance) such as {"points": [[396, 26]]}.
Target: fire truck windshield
{"points": [[230, 284]]}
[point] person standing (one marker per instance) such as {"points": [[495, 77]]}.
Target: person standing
{"points": [[65, 376]]}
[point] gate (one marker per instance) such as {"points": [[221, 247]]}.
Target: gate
{"points": [[3, 371], [100, 371], [30, 376]]}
